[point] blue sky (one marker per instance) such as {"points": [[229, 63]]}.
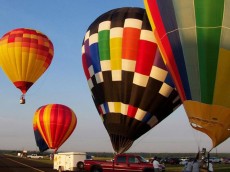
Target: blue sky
{"points": [[65, 23]]}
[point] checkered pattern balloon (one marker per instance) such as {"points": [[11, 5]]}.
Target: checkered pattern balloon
{"points": [[130, 84]]}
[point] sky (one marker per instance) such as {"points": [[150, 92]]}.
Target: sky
{"points": [[65, 23]]}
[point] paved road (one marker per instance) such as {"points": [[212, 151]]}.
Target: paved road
{"points": [[16, 164]]}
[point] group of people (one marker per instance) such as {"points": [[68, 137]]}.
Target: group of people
{"points": [[194, 166]]}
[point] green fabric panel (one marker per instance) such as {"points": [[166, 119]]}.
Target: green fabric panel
{"points": [[185, 16], [209, 14], [103, 44]]}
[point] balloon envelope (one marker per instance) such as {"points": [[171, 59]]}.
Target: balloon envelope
{"points": [[25, 54], [194, 39], [130, 84], [56, 123]]}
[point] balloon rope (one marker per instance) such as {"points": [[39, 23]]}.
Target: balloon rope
{"points": [[141, 138], [197, 137]]}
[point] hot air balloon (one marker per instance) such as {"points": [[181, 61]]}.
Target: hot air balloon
{"points": [[40, 142], [55, 122], [25, 54], [194, 39], [129, 82]]}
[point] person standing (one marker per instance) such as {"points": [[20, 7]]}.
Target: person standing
{"points": [[210, 167], [188, 166], [156, 165], [195, 166]]}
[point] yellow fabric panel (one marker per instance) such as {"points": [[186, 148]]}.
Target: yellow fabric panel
{"points": [[31, 66], [40, 129], [38, 70], [214, 120], [24, 65], [116, 53], [222, 85], [46, 118], [35, 119], [5, 61], [117, 107]]}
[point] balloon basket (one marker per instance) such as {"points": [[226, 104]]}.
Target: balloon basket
{"points": [[22, 100]]}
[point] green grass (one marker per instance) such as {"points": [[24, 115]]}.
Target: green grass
{"points": [[217, 168]]}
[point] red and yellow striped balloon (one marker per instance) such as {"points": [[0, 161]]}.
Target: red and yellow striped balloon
{"points": [[56, 123], [25, 54]]}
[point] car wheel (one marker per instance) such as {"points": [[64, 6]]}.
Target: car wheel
{"points": [[60, 169], [80, 165], [96, 169]]}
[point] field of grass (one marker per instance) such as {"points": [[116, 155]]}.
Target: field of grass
{"points": [[217, 168]]}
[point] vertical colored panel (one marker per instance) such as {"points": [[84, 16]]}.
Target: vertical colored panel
{"points": [[185, 17], [222, 91], [130, 43], [208, 14], [46, 121], [103, 44], [225, 33], [116, 53], [175, 57], [96, 60]]}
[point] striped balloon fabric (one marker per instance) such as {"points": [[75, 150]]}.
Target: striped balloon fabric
{"points": [[194, 38], [130, 84], [55, 122], [40, 142], [25, 54]]}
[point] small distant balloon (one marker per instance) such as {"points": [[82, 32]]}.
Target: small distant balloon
{"points": [[55, 122], [25, 54]]}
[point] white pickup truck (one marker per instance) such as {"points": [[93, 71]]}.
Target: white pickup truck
{"points": [[34, 156]]}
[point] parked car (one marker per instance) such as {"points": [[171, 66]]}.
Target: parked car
{"points": [[183, 160], [225, 160], [213, 160], [170, 160], [34, 156]]}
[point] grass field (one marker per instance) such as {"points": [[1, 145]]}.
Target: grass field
{"points": [[217, 168]]}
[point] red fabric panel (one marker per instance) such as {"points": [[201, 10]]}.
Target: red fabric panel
{"points": [[130, 43], [145, 58]]}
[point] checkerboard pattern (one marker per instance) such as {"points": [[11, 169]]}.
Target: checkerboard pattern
{"points": [[130, 84]]}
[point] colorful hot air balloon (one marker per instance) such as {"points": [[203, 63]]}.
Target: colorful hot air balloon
{"points": [[194, 39], [56, 123], [25, 54], [40, 142], [130, 84]]}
